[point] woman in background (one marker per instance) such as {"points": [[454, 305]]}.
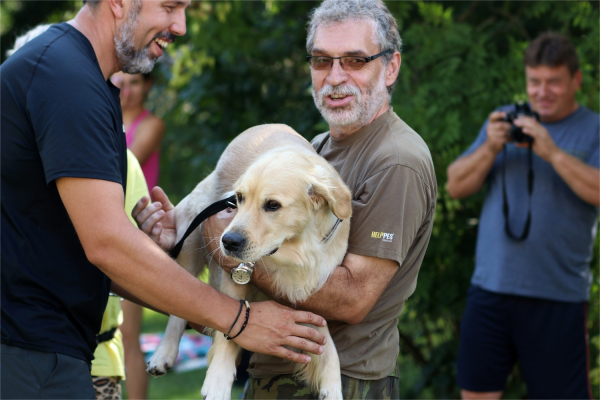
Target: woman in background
{"points": [[144, 131]]}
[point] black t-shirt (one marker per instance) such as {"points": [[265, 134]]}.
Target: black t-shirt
{"points": [[60, 118]]}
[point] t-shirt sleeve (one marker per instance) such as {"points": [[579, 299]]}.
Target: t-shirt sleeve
{"points": [[74, 123], [388, 211]]}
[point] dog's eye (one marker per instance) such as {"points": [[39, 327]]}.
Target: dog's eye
{"points": [[239, 197], [272, 205]]}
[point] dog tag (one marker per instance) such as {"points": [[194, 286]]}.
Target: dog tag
{"points": [[242, 273]]}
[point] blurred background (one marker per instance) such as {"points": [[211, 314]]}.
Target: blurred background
{"points": [[242, 63]]}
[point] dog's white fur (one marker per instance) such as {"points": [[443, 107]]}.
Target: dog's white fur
{"points": [[267, 163]]}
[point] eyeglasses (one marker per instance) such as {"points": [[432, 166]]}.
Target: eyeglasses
{"points": [[348, 63]]}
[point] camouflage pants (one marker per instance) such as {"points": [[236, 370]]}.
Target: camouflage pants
{"points": [[282, 387]]}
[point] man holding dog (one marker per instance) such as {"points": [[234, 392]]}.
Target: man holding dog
{"points": [[354, 49], [531, 284], [65, 235]]}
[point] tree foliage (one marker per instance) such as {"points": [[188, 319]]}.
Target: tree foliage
{"points": [[242, 64]]}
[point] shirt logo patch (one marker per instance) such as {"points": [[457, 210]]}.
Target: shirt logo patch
{"points": [[385, 237]]}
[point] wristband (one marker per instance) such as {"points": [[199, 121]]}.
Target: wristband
{"points": [[242, 302], [236, 318]]}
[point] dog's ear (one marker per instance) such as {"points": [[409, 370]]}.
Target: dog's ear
{"points": [[327, 187]]}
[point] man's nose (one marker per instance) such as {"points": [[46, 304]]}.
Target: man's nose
{"points": [[337, 75], [543, 89], [178, 26]]}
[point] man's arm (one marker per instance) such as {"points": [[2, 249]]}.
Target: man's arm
{"points": [[134, 262], [349, 293], [467, 174], [119, 291], [583, 179]]}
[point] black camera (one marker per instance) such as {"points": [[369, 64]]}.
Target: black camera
{"points": [[516, 133]]}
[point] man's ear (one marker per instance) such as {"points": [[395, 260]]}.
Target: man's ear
{"points": [[327, 188], [393, 69], [118, 8]]}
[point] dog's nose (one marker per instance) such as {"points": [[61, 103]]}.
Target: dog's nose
{"points": [[233, 241]]}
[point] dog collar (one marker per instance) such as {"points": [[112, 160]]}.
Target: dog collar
{"points": [[330, 234]]}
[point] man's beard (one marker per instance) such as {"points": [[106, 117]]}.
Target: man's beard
{"points": [[131, 60], [356, 114]]}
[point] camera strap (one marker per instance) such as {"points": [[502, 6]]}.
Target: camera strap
{"points": [[505, 208]]}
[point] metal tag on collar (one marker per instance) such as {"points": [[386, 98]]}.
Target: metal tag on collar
{"points": [[242, 273]]}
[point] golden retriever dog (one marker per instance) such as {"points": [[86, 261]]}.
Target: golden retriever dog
{"points": [[293, 218]]}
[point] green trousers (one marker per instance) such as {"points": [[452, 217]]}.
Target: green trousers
{"points": [[283, 387]]}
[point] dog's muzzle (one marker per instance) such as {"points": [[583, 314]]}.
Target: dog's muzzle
{"points": [[234, 243]]}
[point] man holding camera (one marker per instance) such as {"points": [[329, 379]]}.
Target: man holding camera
{"points": [[529, 292]]}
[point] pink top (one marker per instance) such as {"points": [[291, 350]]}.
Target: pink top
{"points": [[150, 167]]}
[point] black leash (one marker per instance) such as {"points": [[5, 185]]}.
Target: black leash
{"points": [[505, 208], [207, 212]]}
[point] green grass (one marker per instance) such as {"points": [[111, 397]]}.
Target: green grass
{"points": [[185, 385]]}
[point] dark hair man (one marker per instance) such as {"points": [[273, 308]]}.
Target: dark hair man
{"points": [[65, 235], [354, 49], [530, 287]]}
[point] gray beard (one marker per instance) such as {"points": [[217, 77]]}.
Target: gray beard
{"points": [[353, 116], [130, 60]]}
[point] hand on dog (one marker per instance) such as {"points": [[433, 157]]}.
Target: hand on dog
{"points": [[212, 229], [272, 326], [157, 220]]}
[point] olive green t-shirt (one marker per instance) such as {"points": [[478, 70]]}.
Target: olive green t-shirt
{"points": [[389, 171]]}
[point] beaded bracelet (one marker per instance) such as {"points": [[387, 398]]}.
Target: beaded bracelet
{"points": [[242, 302], [236, 318]]}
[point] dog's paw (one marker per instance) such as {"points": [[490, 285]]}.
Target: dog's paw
{"points": [[212, 390], [217, 383], [322, 394], [156, 371], [330, 394], [160, 362]]}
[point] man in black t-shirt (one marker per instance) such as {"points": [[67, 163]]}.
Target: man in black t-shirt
{"points": [[65, 235]]}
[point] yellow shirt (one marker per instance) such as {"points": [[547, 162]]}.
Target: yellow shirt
{"points": [[109, 356]]}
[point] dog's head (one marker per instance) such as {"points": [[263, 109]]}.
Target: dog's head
{"points": [[286, 198]]}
